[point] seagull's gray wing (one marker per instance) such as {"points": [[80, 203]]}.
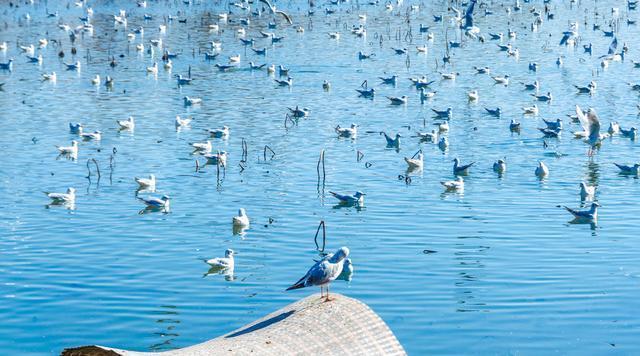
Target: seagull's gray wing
{"points": [[594, 124], [286, 16], [584, 122]]}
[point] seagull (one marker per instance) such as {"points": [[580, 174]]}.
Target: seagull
{"points": [[591, 128], [391, 141], [35, 59], [96, 80], [73, 66], [219, 133], [390, 80], [323, 272], [500, 166], [183, 80], [153, 69], [443, 126], [415, 163], [457, 184], [514, 125], [128, 124], [473, 95], [95, 135], [631, 133], [69, 150], [147, 183], [366, 93], [589, 89], [219, 158], [242, 220], [532, 86], [614, 128], [461, 170], [334, 35], [326, 85], [52, 77], [482, 70], [225, 262], [428, 136], [501, 80], [68, 197], [424, 95], [276, 11], [549, 133], [398, 100], [497, 112], [189, 101], [201, 146], [587, 192], [547, 97], [443, 143], [285, 83], [180, 122], [635, 169], [444, 113], [156, 203], [254, 66], [533, 110], [75, 127], [585, 215], [554, 125], [542, 170], [297, 112], [357, 198], [347, 131]]}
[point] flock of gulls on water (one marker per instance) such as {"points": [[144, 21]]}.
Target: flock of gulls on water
{"points": [[333, 265]]}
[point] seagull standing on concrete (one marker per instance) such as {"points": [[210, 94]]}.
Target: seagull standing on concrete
{"points": [[323, 272]]}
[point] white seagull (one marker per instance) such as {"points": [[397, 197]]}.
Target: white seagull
{"points": [[323, 272]]}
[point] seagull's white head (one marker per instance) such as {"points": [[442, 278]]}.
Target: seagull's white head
{"points": [[71, 191]]}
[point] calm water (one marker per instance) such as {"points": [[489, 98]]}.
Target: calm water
{"points": [[510, 275]]}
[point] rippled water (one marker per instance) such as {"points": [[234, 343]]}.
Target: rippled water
{"points": [[508, 274]]}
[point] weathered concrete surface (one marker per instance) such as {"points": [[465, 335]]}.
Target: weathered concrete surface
{"points": [[343, 326]]}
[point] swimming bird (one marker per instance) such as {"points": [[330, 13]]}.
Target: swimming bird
{"points": [[473, 95], [448, 113], [547, 97], [428, 136], [69, 150], [392, 141], [75, 127], [285, 83], [366, 93], [363, 56], [323, 272], [532, 86], [50, 77], [443, 126], [501, 79], [585, 215], [392, 80], [254, 66], [68, 197], [461, 169], [219, 133], [95, 135], [190, 101], [226, 262], [457, 184], [500, 166], [482, 70], [357, 198], [334, 35], [542, 170], [201, 146], [218, 158], [35, 59], [624, 169], [95, 80], [128, 124], [497, 112], [298, 112], [614, 128], [415, 163], [589, 89], [180, 122], [147, 183], [514, 125], [443, 143], [398, 100], [153, 69], [347, 131], [425, 95], [533, 110], [73, 66], [156, 203], [587, 192], [631, 133], [326, 85], [553, 125], [242, 220]]}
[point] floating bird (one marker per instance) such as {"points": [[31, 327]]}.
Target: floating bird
{"points": [[69, 150], [500, 166], [589, 89], [157, 203], [614, 128], [542, 170], [398, 100], [631, 133], [389, 80], [68, 197], [219, 133], [532, 86], [147, 183], [444, 113], [553, 125], [547, 97], [428, 136], [284, 83], [52, 77], [514, 125], [323, 272], [96, 80], [357, 198], [180, 122], [497, 112], [190, 101], [473, 95], [415, 163], [128, 124], [225, 262], [366, 93], [347, 131], [73, 66], [201, 146], [461, 169], [533, 110], [242, 220], [392, 141], [153, 69], [219, 158], [590, 215], [457, 184], [635, 169], [75, 127], [95, 135], [501, 80], [297, 112], [443, 143]]}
